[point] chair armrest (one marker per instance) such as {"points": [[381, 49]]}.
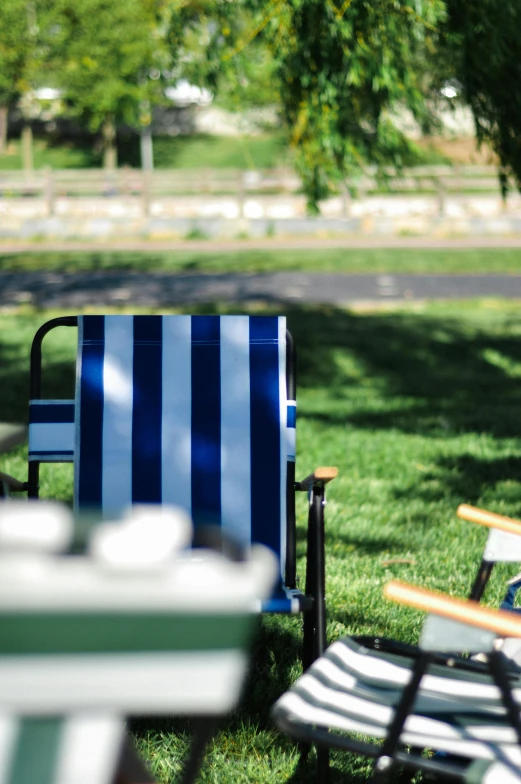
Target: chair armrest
{"points": [[475, 515], [14, 484], [501, 622], [320, 476]]}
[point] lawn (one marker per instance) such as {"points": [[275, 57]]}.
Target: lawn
{"points": [[197, 151], [194, 151], [419, 409], [250, 260]]}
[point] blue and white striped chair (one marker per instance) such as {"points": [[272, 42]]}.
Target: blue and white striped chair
{"points": [[196, 411]]}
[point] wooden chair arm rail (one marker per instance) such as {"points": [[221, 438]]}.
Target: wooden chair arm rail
{"points": [[14, 484], [490, 519], [320, 476], [501, 622]]}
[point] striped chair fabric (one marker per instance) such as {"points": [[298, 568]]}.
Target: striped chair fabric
{"points": [[184, 410], [352, 695]]}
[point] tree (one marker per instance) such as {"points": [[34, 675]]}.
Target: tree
{"points": [[480, 47], [104, 56], [16, 49], [343, 67]]}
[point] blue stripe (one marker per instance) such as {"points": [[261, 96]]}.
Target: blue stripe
{"points": [[51, 451], [265, 432], [146, 412], [51, 412], [91, 412], [292, 416], [206, 420]]}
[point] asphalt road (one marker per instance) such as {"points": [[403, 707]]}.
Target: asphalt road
{"points": [[76, 290]]}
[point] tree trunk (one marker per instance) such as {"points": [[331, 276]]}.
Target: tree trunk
{"points": [[147, 151], [110, 155], [3, 129], [27, 148]]}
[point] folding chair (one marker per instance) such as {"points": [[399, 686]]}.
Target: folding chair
{"points": [[469, 716], [128, 628], [503, 545], [196, 411], [388, 663]]}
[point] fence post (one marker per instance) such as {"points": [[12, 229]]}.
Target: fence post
{"points": [[48, 191], [27, 149], [346, 199], [440, 191], [241, 195], [146, 177]]}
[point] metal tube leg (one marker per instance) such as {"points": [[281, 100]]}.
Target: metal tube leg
{"points": [[204, 730], [482, 578], [315, 620], [384, 762]]}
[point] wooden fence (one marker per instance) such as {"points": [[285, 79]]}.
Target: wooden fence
{"points": [[50, 185]]}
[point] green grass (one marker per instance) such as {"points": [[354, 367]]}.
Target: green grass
{"points": [[419, 408], [63, 155], [265, 151], [262, 151], [199, 151], [212, 260]]}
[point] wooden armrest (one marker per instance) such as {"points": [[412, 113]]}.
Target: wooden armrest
{"points": [[14, 484], [501, 622], [320, 476], [490, 519]]}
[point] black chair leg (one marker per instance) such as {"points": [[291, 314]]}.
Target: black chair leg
{"points": [[204, 729], [322, 765], [308, 642]]}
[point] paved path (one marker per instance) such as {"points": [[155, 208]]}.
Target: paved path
{"points": [[76, 290]]}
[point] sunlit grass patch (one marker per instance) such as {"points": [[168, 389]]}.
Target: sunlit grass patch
{"points": [[420, 410]]}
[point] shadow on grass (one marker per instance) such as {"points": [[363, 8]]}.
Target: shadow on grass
{"points": [[414, 373], [277, 652], [469, 477], [434, 375]]}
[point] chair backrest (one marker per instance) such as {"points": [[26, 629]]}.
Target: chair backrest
{"points": [[184, 410], [127, 628]]}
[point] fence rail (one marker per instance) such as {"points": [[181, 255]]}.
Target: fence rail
{"points": [[52, 185]]}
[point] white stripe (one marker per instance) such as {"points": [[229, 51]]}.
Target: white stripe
{"points": [[419, 730], [387, 674], [283, 439], [235, 427], [117, 413], [79, 585], [51, 436], [176, 425], [8, 731], [89, 750], [502, 546], [498, 773], [193, 682]]}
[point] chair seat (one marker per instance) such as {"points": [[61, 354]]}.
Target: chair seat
{"points": [[350, 689], [287, 601]]}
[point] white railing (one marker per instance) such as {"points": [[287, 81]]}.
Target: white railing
{"points": [[133, 184]]}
